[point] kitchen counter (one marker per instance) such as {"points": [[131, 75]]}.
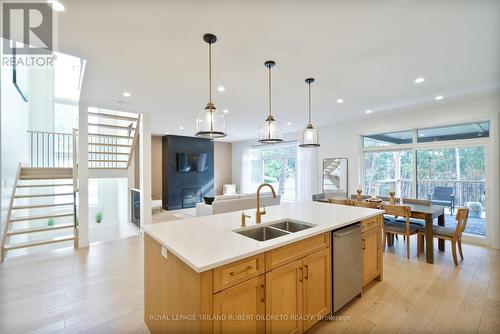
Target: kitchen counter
{"points": [[204, 243]]}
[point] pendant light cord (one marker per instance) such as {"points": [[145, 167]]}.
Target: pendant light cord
{"points": [[210, 72], [310, 103], [270, 113]]}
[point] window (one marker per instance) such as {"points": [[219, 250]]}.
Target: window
{"points": [[454, 132], [277, 166], [388, 171], [388, 139]]}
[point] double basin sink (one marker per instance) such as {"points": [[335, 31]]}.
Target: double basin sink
{"points": [[274, 229]]}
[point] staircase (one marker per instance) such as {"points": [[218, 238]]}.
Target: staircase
{"points": [[112, 139], [42, 209]]}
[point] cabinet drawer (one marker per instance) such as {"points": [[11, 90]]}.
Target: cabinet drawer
{"points": [[283, 255], [369, 223], [237, 272]]}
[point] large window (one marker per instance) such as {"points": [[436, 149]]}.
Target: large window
{"points": [[445, 165], [277, 166]]}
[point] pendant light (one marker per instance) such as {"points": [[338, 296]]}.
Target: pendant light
{"points": [[270, 132], [309, 137], [210, 122]]}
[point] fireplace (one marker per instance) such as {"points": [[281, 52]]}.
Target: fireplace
{"points": [[190, 196]]}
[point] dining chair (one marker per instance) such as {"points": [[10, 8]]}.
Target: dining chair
{"points": [[396, 228], [415, 221], [364, 204], [447, 233], [340, 201]]}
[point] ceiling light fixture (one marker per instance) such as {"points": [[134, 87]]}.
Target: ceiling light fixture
{"points": [[309, 137], [221, 89], [270, 132], [181, 128], [225, 111], [126, 94], [340, 101], [288, 123], [419, 80], [369, 111], [56, 5], [213, 123], [439, 98]]}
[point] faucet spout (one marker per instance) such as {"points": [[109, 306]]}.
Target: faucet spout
{"points": [[260, 213]]}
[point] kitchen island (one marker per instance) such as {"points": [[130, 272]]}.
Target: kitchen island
{"points": [[202, 276]]}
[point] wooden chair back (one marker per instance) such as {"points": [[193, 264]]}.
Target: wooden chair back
{"points": [[355, 196], [364, 204], [340, 201], [399, 211], [462, 216]]}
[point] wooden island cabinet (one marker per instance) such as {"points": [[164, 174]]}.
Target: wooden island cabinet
{"points": [[283, 290]]}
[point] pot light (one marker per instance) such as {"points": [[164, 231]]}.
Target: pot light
{"points": [[439, 98], [126, 94], [419, 80], [221, 89], [369, 111], [225, 111], [340, 101], [56, 5], [181, 128], [167, 133]]}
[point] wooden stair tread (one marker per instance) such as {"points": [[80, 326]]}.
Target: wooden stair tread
{"points": [[45, 177], [43, 195], [108, 135], [111, 126], [24, 207], [38, 243], [44, 185], [110, 116], [38, 217], [109, 153], [40, 229]]}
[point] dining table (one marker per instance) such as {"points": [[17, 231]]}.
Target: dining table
{"points": [[428, 213]]}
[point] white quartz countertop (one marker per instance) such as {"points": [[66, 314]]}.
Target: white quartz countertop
{"points": [[204, 243]]}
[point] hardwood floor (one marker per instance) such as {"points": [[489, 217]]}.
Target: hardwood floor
{"points": [[100, 290]]}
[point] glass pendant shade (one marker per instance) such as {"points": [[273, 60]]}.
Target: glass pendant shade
{"points": [[309, 136], [210, 123], [270, 132]]}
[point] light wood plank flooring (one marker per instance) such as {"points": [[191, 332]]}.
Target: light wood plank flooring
{"points": [[100, 290]]}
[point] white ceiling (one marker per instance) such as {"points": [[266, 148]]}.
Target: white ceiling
{"points": [[365, 52]]}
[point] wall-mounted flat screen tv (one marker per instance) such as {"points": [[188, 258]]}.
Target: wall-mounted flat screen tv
{"points": [[192, 162]]}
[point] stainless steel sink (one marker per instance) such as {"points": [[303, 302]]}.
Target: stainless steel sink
{"points": [[274, 229], [291, 226], [262, 233]]}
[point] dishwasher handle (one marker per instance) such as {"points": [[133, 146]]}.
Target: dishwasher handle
{"points": [[346, 231]]}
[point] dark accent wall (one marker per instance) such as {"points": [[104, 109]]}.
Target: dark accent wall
{"points": [[173, 182]]}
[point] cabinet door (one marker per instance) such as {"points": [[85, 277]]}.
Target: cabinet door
{"points": [[241, 308], [284, 299], [370, 244], [317, 287]]}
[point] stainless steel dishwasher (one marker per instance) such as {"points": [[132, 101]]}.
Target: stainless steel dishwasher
{"points": [[347, 265]]}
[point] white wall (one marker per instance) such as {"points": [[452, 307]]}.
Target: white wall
{"points": [[344, 140], [14, 124]]}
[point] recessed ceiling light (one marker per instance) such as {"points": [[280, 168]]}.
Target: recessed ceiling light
{"points": [[126, 94], [225, 111], [288, 123], [167, 133], [340, 101], [419, 80], [439, 98], [369, 111], [181, 128], [221, 88], [56, 5]]}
